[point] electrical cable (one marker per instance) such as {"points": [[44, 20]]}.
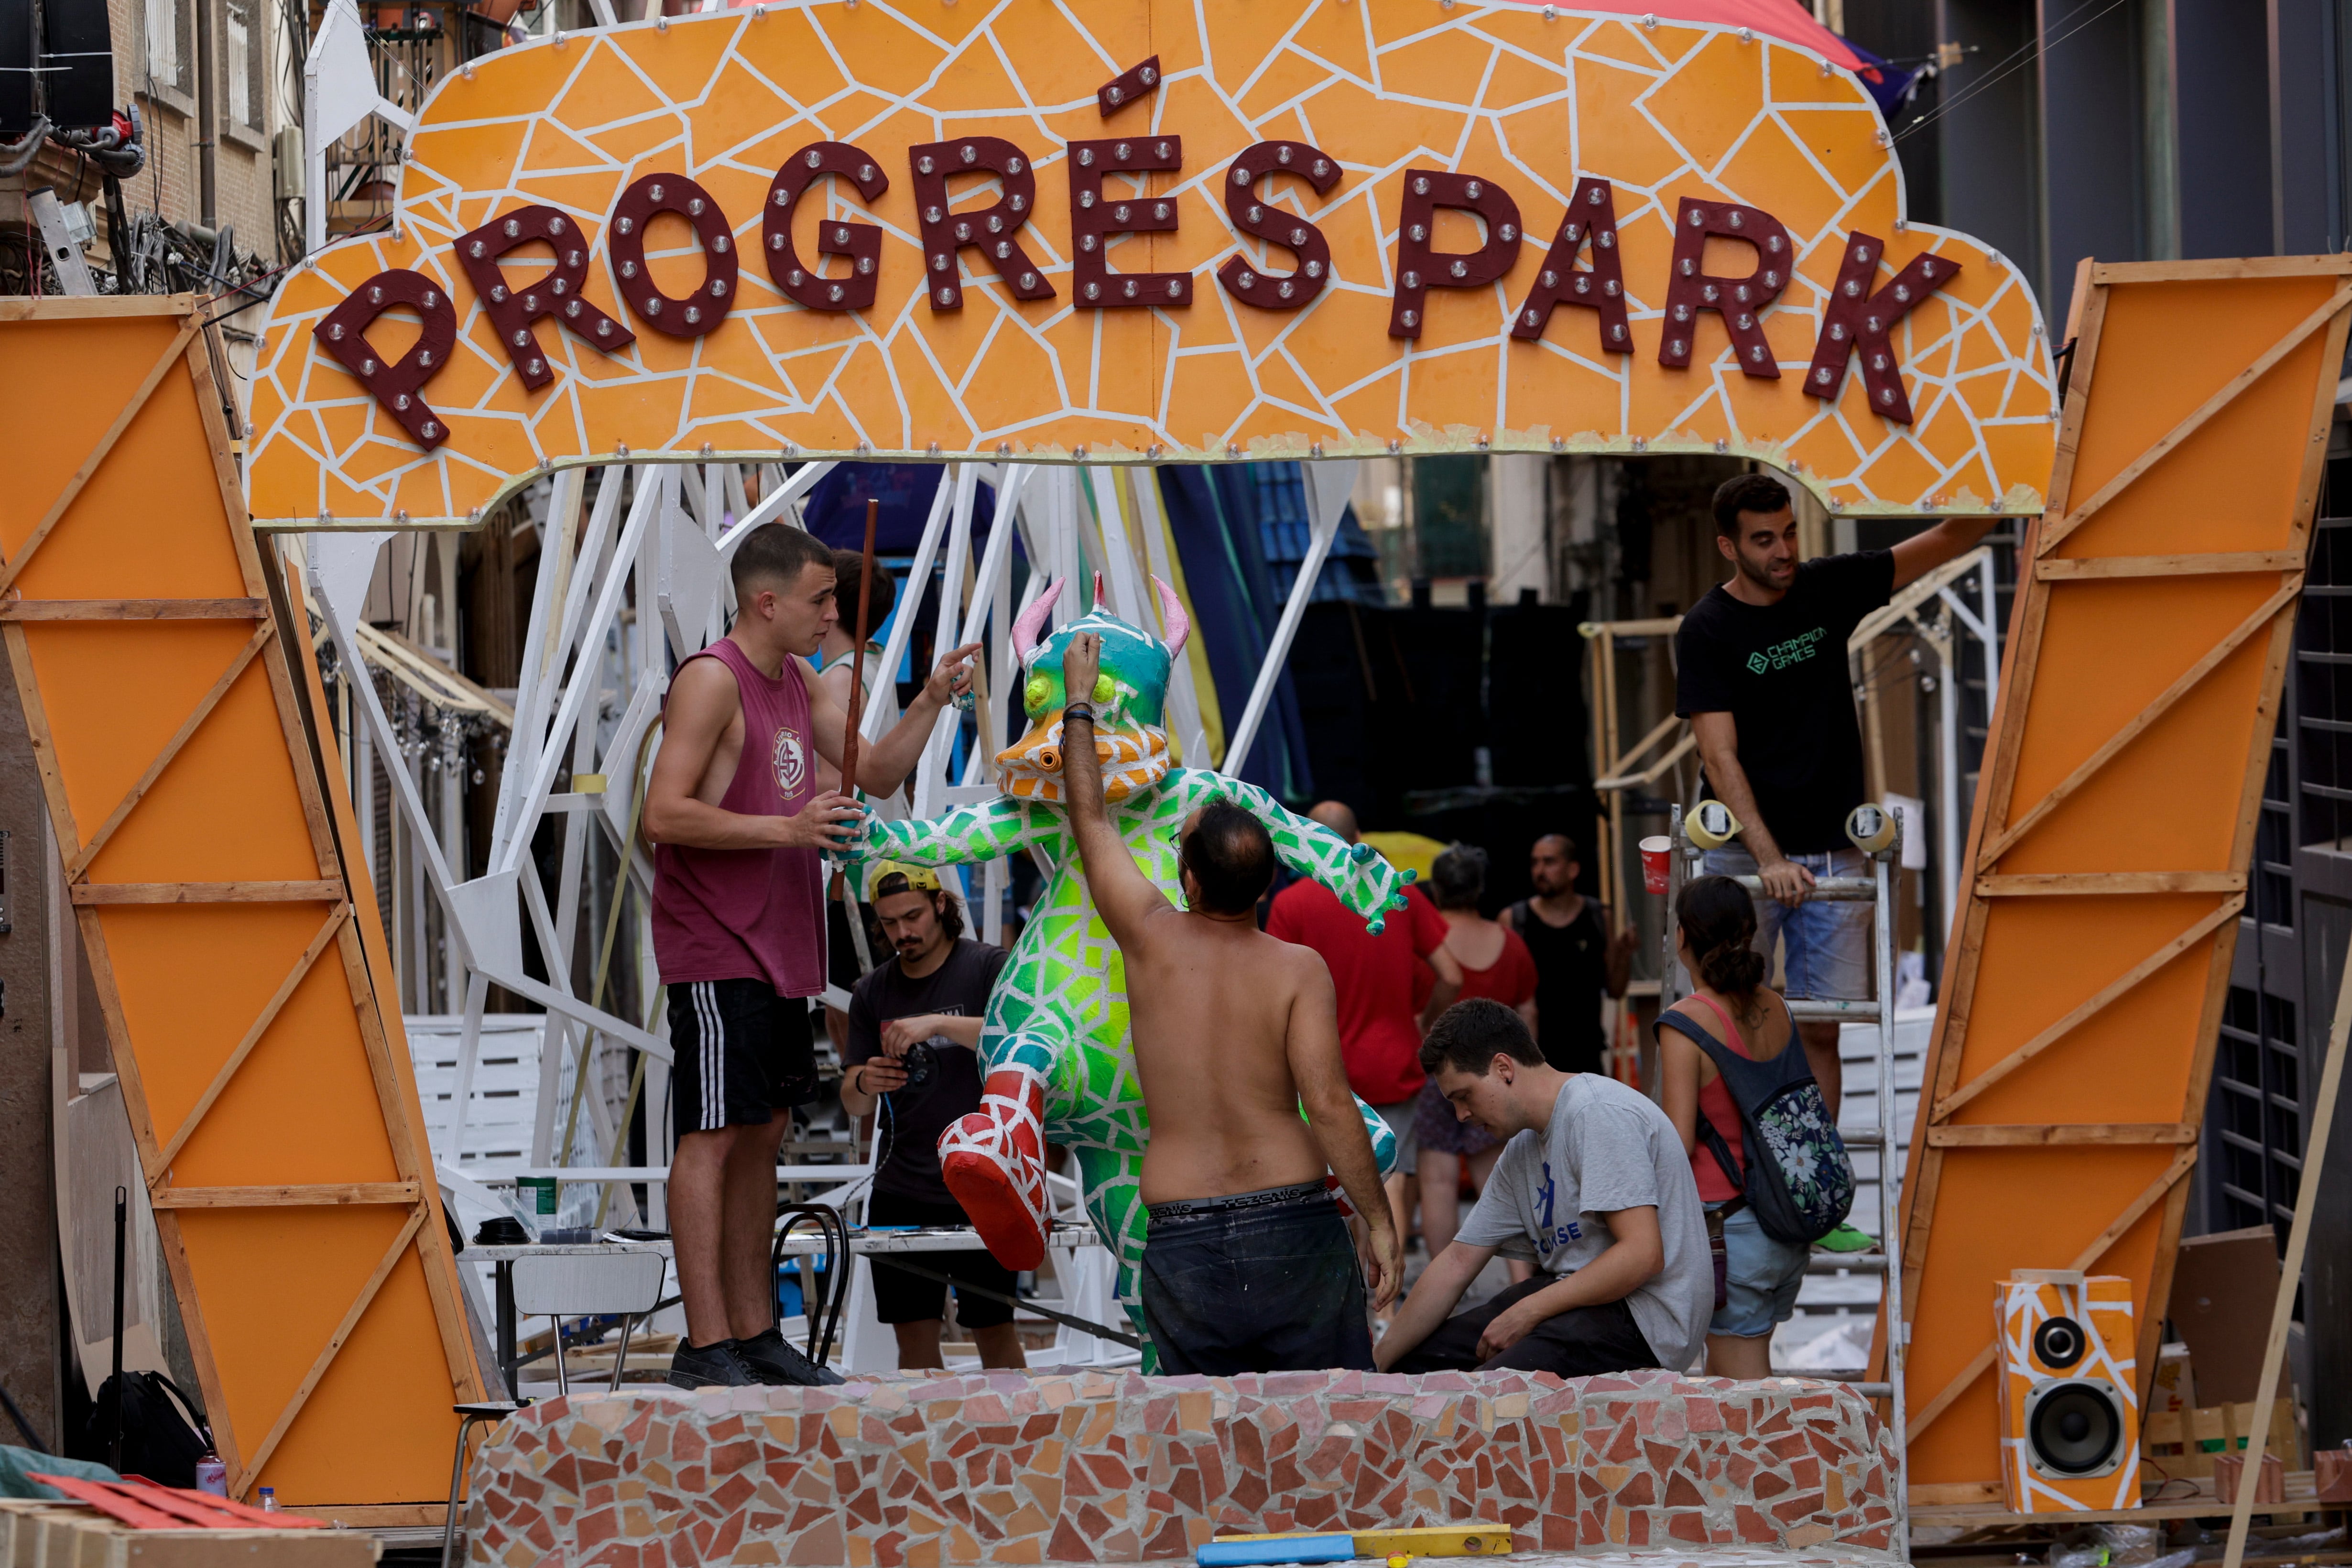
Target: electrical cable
{"points": [[2031, 51]]}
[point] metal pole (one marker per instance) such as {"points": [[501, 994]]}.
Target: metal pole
{"points": [[122, 1232], [1883, 919]]}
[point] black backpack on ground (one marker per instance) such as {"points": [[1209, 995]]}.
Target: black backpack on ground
{"points": [[158, 1441]]}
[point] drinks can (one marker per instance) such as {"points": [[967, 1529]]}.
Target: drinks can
{"points": [[212, 1476]]}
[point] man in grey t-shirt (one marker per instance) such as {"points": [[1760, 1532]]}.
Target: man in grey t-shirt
{"points": [[1593, 1185]]}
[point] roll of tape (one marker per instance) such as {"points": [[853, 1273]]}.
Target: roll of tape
{"points": [[1710, 824]]}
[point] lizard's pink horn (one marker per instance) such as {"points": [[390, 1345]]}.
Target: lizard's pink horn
{"points": [[1173, 616], [1100, 604], [1032, 620]]}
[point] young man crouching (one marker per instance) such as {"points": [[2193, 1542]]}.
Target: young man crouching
{"points": [[1593, 1185]]}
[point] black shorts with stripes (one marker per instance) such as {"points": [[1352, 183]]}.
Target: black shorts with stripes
{"points": [[742, 1053]]}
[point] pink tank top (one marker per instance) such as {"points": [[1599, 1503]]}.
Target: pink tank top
{"points": [[750, 914]]}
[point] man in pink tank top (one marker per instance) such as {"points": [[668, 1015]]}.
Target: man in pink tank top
{"points": [[740, 832]]}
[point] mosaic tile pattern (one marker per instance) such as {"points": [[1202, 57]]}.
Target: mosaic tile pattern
{"points": [[910, 1470], [1527, 102]]}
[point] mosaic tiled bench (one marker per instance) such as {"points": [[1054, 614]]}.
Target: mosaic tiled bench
{"points": [[907, 1470]]}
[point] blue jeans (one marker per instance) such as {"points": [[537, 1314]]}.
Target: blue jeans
{"points": [[1828, 944], [1270, 1287], [1762, 1275]]}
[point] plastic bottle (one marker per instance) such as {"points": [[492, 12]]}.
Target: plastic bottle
{"points": [[212, 1476], [269, 1500]]}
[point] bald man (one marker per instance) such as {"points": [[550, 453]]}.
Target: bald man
{"points": [[1380, 1033]]}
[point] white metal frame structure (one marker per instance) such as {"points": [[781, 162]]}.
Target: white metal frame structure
{"points": [[648, 549]]}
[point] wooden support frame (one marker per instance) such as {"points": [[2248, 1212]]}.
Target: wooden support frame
{"points": [[2106, 880], [273, 1111]]}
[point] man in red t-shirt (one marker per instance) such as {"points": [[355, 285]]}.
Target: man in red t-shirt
{"points": [[1380, 1033]]}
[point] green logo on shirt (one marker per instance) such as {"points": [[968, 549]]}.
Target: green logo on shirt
{"points": [[1780, 656]]}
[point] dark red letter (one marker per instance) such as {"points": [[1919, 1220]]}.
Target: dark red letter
{"points": [[557, 294], [1591, 213], [1738, 300], [1262, 161], [701, 311], [1857, 318], [343, 335], [946, 233], [1095, 218], [1419, 269], [861, 242]]}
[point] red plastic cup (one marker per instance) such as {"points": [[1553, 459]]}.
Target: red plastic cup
{"points": [[1655, 852]]}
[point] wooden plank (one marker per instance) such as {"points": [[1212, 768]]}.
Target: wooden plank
{"points": [[2163, 704], [2069, 569], [2263, 364], [2217, 268], [158, 1171], [315, 1194], [81, 857], [1979, 1364], [89, 465], [2097, 884], [2040, 1135], [80, 307], [207, 892], [351, 1316], [133, 609], [1958, 1096]]}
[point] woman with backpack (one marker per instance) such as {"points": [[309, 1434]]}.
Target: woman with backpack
{"points": [[1763, 1145]]}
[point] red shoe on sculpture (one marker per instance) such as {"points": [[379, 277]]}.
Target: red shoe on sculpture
{"points": [[993, 1161]]}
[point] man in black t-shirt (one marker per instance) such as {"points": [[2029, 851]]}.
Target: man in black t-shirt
{"points": [[931, 992], [1762, 677]]}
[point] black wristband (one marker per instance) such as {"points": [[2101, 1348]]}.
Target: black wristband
{"points": [[1078, 711]]}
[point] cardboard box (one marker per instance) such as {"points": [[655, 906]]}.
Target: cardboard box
{"points": [[2175, 1385], [70, 1533], [2223, 1291]]}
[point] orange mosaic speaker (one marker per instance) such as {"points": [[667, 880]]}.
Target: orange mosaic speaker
{"points": [[2069, 1398]]}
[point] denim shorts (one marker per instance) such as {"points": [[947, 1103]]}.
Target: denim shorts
{"points": [[1762, 1275], [1270, 1287], [1828, 956]]}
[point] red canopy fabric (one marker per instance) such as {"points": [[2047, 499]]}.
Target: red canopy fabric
{"points": [[1783, 19]]}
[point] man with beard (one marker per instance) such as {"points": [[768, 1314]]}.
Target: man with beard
{"points": [[1762, 677], [1576, 957], [912, 1055]]}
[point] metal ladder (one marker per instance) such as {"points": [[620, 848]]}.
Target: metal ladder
{"points": [[1878, 890]]}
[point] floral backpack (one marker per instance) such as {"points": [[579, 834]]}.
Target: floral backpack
{"points": [[1797, 1180]]}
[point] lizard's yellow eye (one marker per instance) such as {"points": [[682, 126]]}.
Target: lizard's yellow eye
{"points": [[1036, 693], [1103, 690]]}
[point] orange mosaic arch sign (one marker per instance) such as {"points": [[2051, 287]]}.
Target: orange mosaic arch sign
{"points": [[1143, 230]]}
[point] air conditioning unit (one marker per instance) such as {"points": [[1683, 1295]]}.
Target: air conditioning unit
{"points": [[2069, 1397]]}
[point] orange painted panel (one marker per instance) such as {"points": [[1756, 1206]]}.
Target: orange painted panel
{"points": [[2146, 656], [1524, 102], [288, 1182]]}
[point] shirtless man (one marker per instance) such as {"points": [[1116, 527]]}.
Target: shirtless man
{"points": [[739, 831], [1247, 1263]]}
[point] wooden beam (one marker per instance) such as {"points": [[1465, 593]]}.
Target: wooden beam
{"points": [[81, 860], [2071, 570], [2205, 926], [2220, 267], [2081, 884], [2163, 704], [2189, 426], [89, 465], [319, 1194], [159, 1169], [134, 610], [2152, 1195], [207, 892], [358, 1309], [2036, 1135]]}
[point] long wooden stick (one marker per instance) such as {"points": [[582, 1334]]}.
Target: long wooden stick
{"points": [[857, 654], [2298, 1239]]}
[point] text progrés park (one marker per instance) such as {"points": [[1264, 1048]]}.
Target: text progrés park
{"points": [[1856, 317]]}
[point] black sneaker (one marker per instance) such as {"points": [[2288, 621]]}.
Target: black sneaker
{"points": [[772, 1361], [711, 1366]]}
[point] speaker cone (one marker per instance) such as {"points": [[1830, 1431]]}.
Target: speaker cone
{"points": [[2058, 1343], [2074, 1429]]}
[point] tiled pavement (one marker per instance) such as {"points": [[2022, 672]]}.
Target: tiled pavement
{"points": [[909, 1471]]}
